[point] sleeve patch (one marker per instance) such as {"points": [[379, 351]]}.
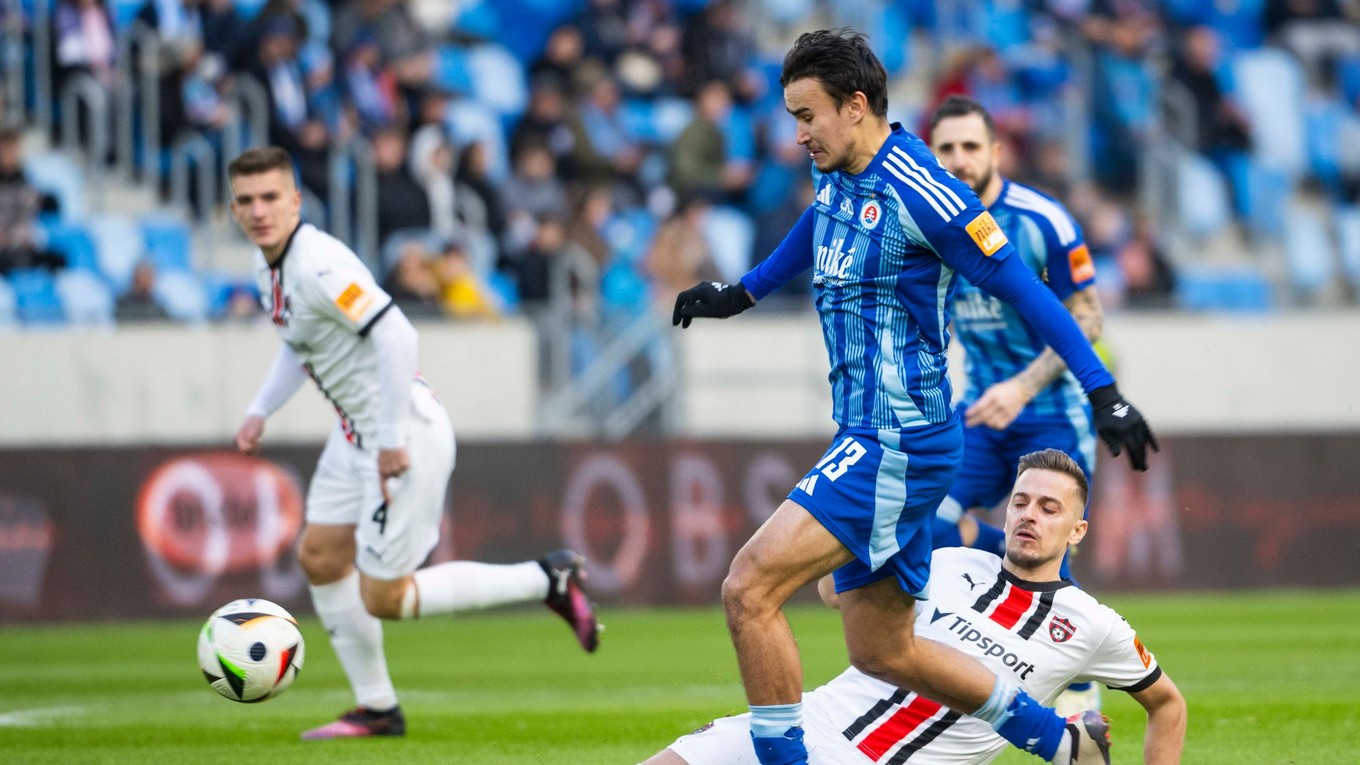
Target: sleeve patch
{"points": [[1143, 654], [986, 234], [354, 301], [1079, 259]]}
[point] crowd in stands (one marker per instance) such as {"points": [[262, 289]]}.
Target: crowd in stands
{"points": [[594, 156]]}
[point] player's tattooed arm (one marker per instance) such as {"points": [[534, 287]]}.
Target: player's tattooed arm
{"points": [[999, 405], [1084, 304]]}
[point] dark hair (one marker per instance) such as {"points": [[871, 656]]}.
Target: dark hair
{"points": [[841, 60], [1058, 462], [962, 106], [261, 159]]}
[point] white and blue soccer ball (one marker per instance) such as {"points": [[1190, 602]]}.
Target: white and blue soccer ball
{"points": [[250, 650]]}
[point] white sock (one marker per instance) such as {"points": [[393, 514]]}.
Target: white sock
{"points": [[1064, 753], [356, 636], [464, 585]]}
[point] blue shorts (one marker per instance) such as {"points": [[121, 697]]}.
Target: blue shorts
{"points": [[990, 457], [876, 491]]}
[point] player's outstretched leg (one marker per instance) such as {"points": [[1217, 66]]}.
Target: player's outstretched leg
{"points": [[567, 596]]}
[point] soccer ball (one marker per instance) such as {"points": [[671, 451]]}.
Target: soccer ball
{"points": [[250, 650]]}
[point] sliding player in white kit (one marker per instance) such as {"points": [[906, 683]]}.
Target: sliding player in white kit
{"points": [[377, 496], [1013, 614]]}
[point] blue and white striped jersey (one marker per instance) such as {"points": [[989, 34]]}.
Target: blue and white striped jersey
{"points": [[998, 343], [885, 244]]}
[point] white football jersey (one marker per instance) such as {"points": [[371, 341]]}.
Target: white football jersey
{"points": [[1042, 636], [324, 301]]}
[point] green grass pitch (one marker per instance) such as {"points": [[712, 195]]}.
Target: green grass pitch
{"points": [[1270, 678]]}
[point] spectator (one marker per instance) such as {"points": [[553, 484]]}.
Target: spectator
{"points": [[562, 56], [431, 161], [1223, 133], [545, 123], [402, 202], [403, 47], [242, 305], [1149, 281], [19, 207], [464, 294], [139, 302], [717, 46], [293, 125], [370, 88], [594, 208], [178, 23], [534, 190], [478, 200], [84, 42], [680, 256], [555, 266], [605, 150], [271, 16], [412, 283], [700, 161], [604, 30]]}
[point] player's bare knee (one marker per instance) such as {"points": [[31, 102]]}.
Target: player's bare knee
{"points": [[891, 666], [323, 564], [743, 592]]}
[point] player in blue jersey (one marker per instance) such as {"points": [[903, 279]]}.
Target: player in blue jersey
{"points": [[885, 235], [1020, 396]]}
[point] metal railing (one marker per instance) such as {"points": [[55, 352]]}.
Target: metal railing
{"points": [[15, 86], [353, 199], [42, 71], [248, 127], [192, 153], [84, 92]]}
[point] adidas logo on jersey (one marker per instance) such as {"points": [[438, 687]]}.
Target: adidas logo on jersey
{"points": [[824, 194], [808, 484]]}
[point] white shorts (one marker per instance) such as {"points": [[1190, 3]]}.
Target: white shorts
{"points": [[727, 741], [393, 538]]}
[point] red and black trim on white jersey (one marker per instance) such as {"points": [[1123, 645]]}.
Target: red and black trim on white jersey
{"points": [[1011, 598], [279, 301], [898, 727], [346, 422]]}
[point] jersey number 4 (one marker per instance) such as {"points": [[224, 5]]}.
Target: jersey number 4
{"points": [[841, 459], [380, 517]]}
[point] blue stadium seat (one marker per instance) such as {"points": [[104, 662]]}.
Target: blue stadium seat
{"points": [[730, 235], [167, 243], [1348, 240], [1308, 248], [9, 315], [629, 234], [498, 79], [74, 243], [1202, 288], [55, 174], [451, 69], [124, 12], [119, 246], [36, 298], [506, 290], [85, 297], [1270, 87], [182, 295], [1203, 195]]}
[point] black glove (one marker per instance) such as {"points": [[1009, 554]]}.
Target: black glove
{"points": [[1121, 426], [710, 300]]}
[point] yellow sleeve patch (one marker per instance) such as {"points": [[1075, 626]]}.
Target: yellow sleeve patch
{"points": [[1079, 258], [986, 234], [354, 301], [1142, 652]]}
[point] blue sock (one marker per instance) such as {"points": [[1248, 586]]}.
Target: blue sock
{"points": [[777, 734], [1079, 687], [991, 539], [945, 534], [1022, 721]]}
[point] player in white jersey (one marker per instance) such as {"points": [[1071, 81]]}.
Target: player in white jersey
{"points": [[1013, 614], [377, 496]]}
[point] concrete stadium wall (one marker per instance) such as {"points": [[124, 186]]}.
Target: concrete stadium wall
{"points": [[173, 384], [758, 376], [1187, 373]]}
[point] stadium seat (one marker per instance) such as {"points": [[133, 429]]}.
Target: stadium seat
{"points": [[74, 243], [1203, 195], [36, 298], [119, 246], [498, 79], [167, 243], [1202, 288], [85, 297], [451, 69], [629, 234], [1270, 87], [506, 290], [9, 315], [124, 12], [1348, 240], [182, 295], [730, 235], [56, 174], [1308, 248]]}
